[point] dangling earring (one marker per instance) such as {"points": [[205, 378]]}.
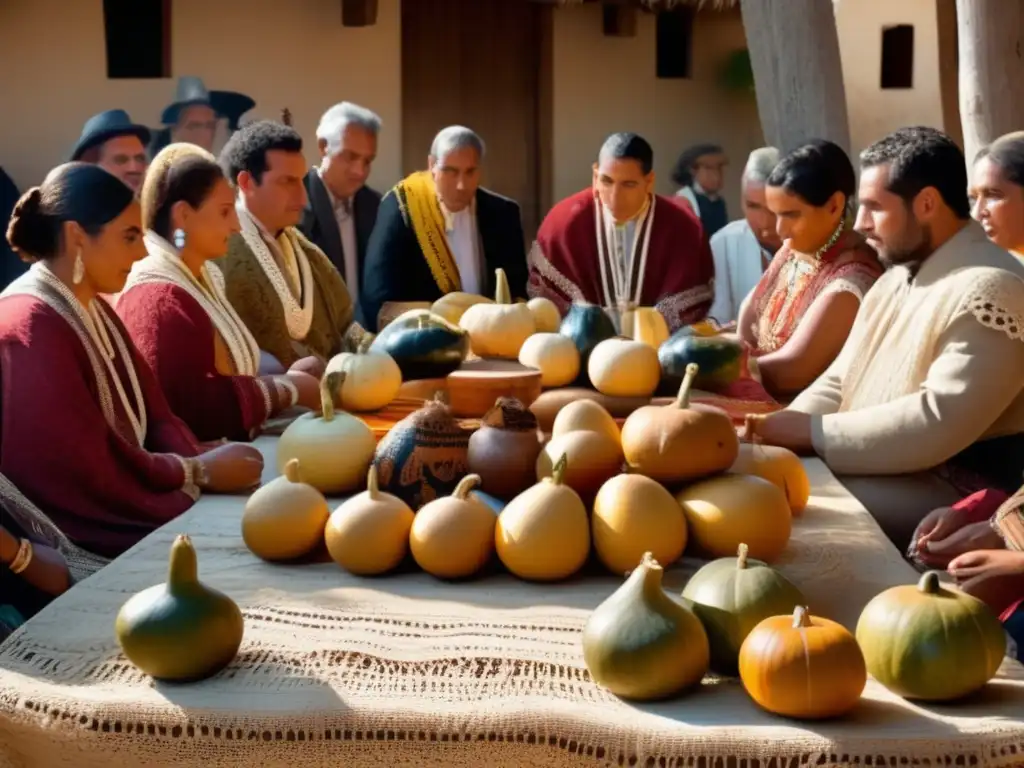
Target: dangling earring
{"points": [[179, 238], [78, 274]]}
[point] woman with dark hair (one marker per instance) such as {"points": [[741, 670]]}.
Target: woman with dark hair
{"points": [[798, 317], [175, 308], [85, 431], [997, 192], [699, 172]]}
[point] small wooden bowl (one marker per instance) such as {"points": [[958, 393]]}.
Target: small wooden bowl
{"points": [[473, 389]]}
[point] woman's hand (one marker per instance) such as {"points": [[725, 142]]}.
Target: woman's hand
{"points": [[950, 539], [308, 388], [993, 576], [312, 365], [8, 547], [231, 468]]}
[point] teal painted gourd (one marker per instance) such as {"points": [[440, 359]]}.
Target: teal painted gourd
{"points": [[719, 359], [587, 325], [425, 345]]}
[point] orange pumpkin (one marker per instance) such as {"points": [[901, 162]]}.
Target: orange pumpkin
{"points": [[802, 666]]}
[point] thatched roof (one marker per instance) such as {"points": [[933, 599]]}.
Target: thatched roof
{"points": [[660, 4]]}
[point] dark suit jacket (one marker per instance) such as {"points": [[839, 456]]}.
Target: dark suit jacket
{"points": [[321, 227], [397, 271]]}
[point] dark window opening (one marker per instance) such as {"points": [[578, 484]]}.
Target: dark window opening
{"points": [[674, 43], [898, 56], [138, 38]]}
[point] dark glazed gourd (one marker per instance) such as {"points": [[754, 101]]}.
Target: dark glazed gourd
{"points": [[425, 345], [180, 630], [719, 359], [587, 325], [641, 643], [731, 596], [503, 451]]}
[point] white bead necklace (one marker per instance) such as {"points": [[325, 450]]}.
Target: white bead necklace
{"points": [[99, 330]]}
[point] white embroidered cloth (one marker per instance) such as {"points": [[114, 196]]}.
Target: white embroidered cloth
{"points": [[406, 671]]}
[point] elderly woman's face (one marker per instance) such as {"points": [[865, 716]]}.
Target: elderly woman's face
{"points": [[998, 204]]}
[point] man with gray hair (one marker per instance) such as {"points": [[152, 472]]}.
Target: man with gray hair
{"points": [[341, 210], [743, 248], [438, 231]]}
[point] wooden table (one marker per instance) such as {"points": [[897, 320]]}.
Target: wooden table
{"points": [[409, 671]]}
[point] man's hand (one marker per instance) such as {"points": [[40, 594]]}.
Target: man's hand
{"points": [[993, 576], [788, 429]]}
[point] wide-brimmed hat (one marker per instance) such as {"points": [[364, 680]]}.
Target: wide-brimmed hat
{"points": [[106, 125], [192, 91]]}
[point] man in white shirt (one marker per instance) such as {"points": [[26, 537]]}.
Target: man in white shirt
{"points": [[438, 231], [342, 210], [743, 248]]}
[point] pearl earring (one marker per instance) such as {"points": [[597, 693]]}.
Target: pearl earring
{"points": [[78, 274], [179, 238]]}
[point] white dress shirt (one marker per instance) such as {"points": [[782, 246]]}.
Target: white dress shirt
{"points": [[738, 268], [463, 239]]}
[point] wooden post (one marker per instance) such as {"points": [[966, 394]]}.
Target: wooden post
{"points": [[991, 38], [358, 13], [798, 75], [949, 69], [619, 20]]}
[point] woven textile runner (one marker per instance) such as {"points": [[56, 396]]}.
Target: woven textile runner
{"points": [[407, 671]]}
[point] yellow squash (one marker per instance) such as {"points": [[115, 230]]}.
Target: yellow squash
{"points": [[333, 448], [554, 355], [624, 368], [453, 537], [546, 316], [543, 534], [285, 518], [369, 534], [372, 379], [453, 305], [498, 329], [646, 325]]}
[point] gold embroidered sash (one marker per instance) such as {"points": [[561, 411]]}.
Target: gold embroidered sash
{"points": [[417, 200]]}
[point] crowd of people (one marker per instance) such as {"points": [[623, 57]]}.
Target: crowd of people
{"points": [[175, 305]]}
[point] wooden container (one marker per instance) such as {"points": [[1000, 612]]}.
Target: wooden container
{"points": [[474, 388]]}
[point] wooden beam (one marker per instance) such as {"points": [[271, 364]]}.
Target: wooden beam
{"points": [[358, 13], [619, 20], [949, 70]]}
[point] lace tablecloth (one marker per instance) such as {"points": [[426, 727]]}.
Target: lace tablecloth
{"points": [[408, 671]]}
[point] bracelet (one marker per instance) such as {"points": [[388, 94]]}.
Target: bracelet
{"points": [[22, 560], [199, 474], [289, 387]]}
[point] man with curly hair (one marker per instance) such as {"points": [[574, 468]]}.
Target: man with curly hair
{"points": [[287, 292]]}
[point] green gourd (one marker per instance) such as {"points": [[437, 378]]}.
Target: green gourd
{"points": [[643, 644], [181, 630], [718, 358], [731, 596], [930, 643], [425, 345], [587, 325]]}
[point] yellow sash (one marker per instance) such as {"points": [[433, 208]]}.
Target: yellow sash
{"points": [[417, 200]]}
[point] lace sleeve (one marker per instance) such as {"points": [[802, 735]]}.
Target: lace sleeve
{"points": [[997, 301]]}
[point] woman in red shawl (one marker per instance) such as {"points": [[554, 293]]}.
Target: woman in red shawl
{"points": [[798, 317], [176, 311], [85, 432]]}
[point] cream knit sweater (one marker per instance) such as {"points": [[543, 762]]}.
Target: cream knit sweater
{"points": [[934, 363]]}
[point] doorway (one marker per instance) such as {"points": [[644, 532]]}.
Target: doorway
{"points": [[482, 64]]}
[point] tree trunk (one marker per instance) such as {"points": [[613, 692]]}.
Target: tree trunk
{"points": [[949, 69], [798, 74], [991, 33]]}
